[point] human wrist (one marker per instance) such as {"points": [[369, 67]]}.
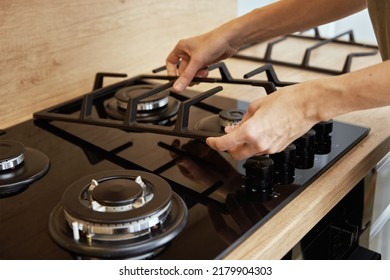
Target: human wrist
{"points": [[323, 99], [230, 32]]}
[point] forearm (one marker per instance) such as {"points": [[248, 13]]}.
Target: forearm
{"points": [[363, 89], [287, 16]]}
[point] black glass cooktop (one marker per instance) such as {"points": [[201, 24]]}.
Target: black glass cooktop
{"points": [[211, 210]]}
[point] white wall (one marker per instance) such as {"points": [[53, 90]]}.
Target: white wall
{"points": [[359, 23]]}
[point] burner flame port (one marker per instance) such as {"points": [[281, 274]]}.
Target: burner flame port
{"points": [[230, 117], [117, 195]]}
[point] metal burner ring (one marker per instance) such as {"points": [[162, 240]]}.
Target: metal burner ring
{"points": [[146, 106], [81, 214], [156, 101], [230, 117], [11, 154], [120, 231], [174, 217]]}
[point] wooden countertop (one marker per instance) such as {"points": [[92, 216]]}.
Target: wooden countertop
{"points": [[51, 50]]}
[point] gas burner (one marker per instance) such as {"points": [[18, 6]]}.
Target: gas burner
{"points": [[217, 123], [230, 117], [19, 167], [159, 108], [118, 214]]}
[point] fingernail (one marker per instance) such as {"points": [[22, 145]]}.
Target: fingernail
{"points": [[229, 128]]}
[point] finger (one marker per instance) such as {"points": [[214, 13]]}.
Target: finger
{"points": [[252, 109], [229, 128], [244, 151], [182, 65], [237, 151], [203, 73], [241, 142], [225, 142], [186, 76], [246, 117], [171, 63]]}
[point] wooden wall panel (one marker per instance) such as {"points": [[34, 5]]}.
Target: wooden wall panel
{"points": [[51, 49]]}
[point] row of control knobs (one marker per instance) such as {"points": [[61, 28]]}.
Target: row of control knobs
{"points": [[264, 171]]}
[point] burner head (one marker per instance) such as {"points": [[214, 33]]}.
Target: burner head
{"points": [[19, 167], [217, 123], [158, 108], [117, 192], [231, 117], [118, 214], [153, 102]]}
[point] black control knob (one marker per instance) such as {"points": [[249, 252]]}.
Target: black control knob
{"points": [[304, 155], [259, 178], [323, 139], [284, 165]]}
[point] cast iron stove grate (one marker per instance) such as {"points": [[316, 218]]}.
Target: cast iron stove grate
{"points": [[80, 110], [320, 41]]}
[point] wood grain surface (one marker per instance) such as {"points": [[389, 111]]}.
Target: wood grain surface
{"points": [[50, 50]]}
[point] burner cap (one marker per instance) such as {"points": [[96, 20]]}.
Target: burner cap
{"points": [[217, 123], [158, 108], [78, 203], [117, 192], [230, 117], [20, 166]]}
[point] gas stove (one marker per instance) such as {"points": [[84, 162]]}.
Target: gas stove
{"points": [[123, 172]]}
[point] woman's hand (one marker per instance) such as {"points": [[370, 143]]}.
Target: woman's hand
{"points": [[270, 124], [194, 54]]}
